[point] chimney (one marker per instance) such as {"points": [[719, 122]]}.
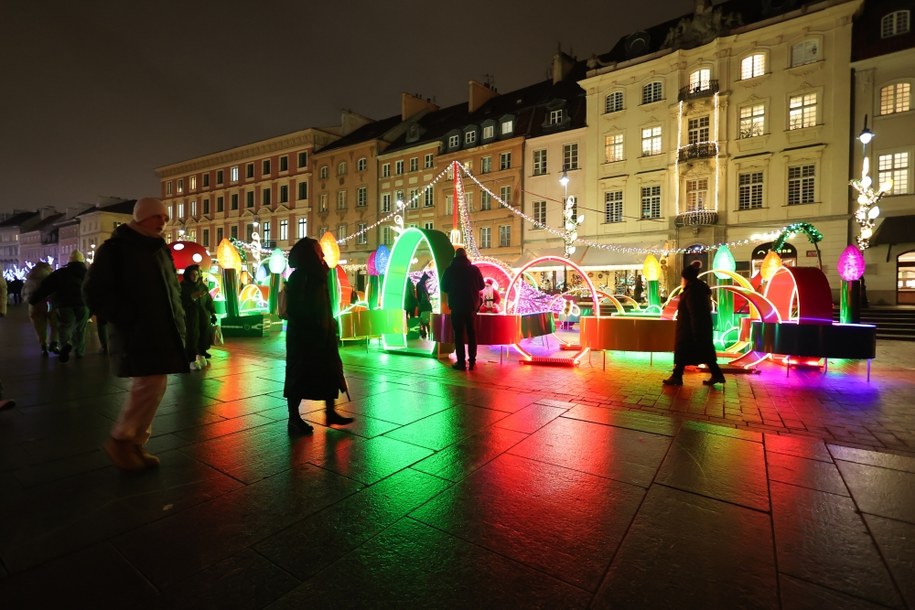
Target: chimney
{"points": [[479, 95], [350, 121], [562, 66], [702, 6], [411, 105]]}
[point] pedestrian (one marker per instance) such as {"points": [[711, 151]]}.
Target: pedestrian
{"points": [[207, 321], [694, 344], [4, 402], [314, 370], [65, 289], [42, 314], [133, 285], [196, 321], [15, 289], [423, 304], [409, 299], [462, 281]]}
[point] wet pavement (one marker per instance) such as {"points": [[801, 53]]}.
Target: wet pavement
{"points": [[507, 486]]}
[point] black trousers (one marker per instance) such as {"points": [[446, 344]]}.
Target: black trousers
{"points": [[463, 324]]}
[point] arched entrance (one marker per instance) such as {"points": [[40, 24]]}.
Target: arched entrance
{"points": [[905, 278]]}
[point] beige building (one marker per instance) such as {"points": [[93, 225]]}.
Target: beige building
{"points": [[718, 127]]}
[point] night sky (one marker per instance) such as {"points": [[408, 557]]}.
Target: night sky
{"points": [[97, 94]]}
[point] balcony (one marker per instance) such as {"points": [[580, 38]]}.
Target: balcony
{"points": [[696, 92], [696, 218], [702, 150]]}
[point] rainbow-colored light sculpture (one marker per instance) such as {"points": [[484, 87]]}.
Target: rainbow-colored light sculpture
{"points": [[851, 268], [724, 266], [651, 269]]}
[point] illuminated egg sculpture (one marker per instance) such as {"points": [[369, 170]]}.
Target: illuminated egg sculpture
{"points": [[770, 264], [651, 269], [330, 248], [724, 264], [370, 267], [187, 253], [277, 261], [227, 255], [851, 269], [382, 259], [851, 264], [230, 261]]}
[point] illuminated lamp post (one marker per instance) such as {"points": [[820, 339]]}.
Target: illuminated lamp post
{"points": [[724, 262], [332, 256], [651, 269], [851, 268], [230, 261], [868, 211], [277, 264]]}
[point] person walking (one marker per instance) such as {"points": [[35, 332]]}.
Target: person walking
{"points": [[462, 281], [42, 315], [65, 288], [195, 317], [133, 285], [423, 304], [314, 370], [693, 343]]}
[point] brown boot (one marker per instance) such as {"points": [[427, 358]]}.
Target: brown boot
{"points": [[124, 455], [149, 459]]}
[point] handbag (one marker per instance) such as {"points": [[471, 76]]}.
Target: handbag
{"points": [[217, 334]]}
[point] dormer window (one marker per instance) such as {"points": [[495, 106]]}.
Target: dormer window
{"points": [[895, 23], [489, 132], [555, 117], [470, 137], [753, 66], [508, 126], [454, 141]]}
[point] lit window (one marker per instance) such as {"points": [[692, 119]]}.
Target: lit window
{"points": [[322, 202], [801, 184], [302, 230], [895, 167], [180, 185], [652, 92], [749, 191], [266, 230], [613, 102], [485, 165], [362, 234], [539, 214], [613, 148], [284, 230], [508, 126], [651, 141], [698, 130], [489, 131], [752, 121], [613, 206], [539, 162], [233, 173], [805, 52], [753, 66], [696, 194], [700, 80], [192, 181], [651, 202], [894, 24], [802, 111], [895, 98]]}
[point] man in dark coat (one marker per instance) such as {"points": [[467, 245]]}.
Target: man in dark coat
{"points": [[314, 370], [694, 343], [463, 283], [133, 285], [65, 288]]}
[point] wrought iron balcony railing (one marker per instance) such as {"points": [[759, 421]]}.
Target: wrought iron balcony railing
{"points": [[695, 92], [703, 150], [694, 218]]}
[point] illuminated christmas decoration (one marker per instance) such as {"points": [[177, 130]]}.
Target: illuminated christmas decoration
{"points": [[651, 269], [230, 261], [571, 225], [330, 248], [724, 267], [724, 261], [770, 264], [851, 264], [187, 253], [382, 259], [277, 261], [807, 229], [370, 267], [277, 264], [868, 211], [227, 255], [851, 269]]}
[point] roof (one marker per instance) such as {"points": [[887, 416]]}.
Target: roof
{"points": [[375, 130], [19, 219], [45, 223], [121, 207], [867, 40]]}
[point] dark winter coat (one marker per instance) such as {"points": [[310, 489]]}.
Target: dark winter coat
{"points": [[463, 283], [196, 319], [694, 343], [423, 302], [133, 285], [64, 286], [314, 370]]}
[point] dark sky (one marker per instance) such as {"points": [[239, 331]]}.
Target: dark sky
{"points": [[97, 94]]}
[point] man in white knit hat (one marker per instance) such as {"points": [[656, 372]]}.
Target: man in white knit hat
{"points": [[133, 285]]}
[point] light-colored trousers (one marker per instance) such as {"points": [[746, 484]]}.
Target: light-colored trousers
{"points": [[42, 318], [135, 421]]}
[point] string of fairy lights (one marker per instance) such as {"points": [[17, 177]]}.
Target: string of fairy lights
{"points": [[470, 244]]}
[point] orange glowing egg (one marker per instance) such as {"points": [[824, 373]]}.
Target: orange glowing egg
{"points": [[770, 265], [331, 249], [227, 255]]}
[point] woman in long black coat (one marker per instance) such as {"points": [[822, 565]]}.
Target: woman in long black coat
{"points": [[314, 370], [694, 344]]}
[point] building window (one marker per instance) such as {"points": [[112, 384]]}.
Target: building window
{"points": [[505, 160], [449, 205], [233, 232], [180, 185], [555, 117], [284, 230], [362, 234], [414, 164], [428, 161], [698, 130], [613, 148], [219, 176], [323, 173], [486, 237], [206, 207], [284, 163], [341, 200], [428, 198], [302, 159], [181, 210], [341, 232], [613, 206], [454, 141], [696, 194], [700, 80], [249, 199], [895, 167], [249, 171], [485, 201], [802, 111], [284, 193], [168, 188], [652, 92], [385, 202], [266, 230], [894, 24], [505, 236], [303, 190], [895, 98], [485, 165], [505, 194], [206, 238], [753, 66], [398, 168], [341, 168], [801, 184], [539, 214], [265, 167], [362, 196], [805, 52], [651, 141], [429, 226], [361, 164], [489, 131], [508, 126], [749, 191], [539, 162], [194, 208], [386, 170], [192, 181], [233, 173], [322, 202], [570, 156], [613, 102], [206, 180], [234, 201], [301, 228], [470, 137], [220, 204], [752, 121], [651, 202], [265, 196], [468, 200]]}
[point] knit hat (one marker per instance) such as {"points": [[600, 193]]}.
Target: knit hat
{"points": [[148, 206], [690, 272], [77, 257]]}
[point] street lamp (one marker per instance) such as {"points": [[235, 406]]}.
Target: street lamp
{"points": [[570, 219], [868, 211]]}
